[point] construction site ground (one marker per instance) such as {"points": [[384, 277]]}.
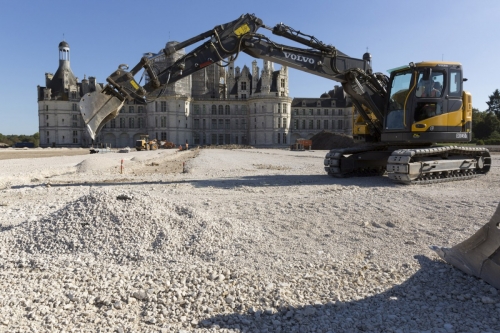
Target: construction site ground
{"points": [[234, 240]]}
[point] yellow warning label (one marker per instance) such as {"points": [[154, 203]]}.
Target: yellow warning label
{"points": [[134, 84], [242, 30]]}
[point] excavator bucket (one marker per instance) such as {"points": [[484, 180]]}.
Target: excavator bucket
{"points": [[480, 254], [97, 108]]}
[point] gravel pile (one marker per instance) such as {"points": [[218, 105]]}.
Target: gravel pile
{"points": [[325, 140], [232, 246]]}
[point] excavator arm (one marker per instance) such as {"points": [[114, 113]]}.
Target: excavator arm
{"points": [[366, 89]]}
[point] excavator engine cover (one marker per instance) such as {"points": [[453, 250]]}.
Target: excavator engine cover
{"points": [[480, 254]]}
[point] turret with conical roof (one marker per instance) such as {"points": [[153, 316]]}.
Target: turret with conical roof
{"points": [[63, 80]]}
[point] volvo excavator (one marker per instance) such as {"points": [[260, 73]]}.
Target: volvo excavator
{"points": [[405, 118]]}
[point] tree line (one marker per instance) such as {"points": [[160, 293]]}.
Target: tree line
{"points": [[11, 140], [486, 124]]}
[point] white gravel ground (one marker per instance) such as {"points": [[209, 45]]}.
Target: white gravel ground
{"points": [[257, 240]]}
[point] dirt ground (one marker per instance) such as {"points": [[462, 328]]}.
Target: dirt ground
{"points": [[12, 153]]}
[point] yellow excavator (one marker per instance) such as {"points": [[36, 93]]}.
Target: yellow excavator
{"points": [[405, 118], [145, 144]]}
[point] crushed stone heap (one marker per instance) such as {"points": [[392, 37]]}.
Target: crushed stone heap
{"points": [[112, 225]]}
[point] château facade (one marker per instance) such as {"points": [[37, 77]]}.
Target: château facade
{"points": [[214, 106]]}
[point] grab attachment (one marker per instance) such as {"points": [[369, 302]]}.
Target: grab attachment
{"points": [[97, 108], [480, 254]]}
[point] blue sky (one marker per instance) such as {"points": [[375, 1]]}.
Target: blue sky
{"points": [[103, 34]]}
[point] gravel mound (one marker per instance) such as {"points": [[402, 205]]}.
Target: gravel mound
{"points": [[116, 226], [325, 140], [95, 163]]}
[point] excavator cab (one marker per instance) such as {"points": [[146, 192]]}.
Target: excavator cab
{"points": [[426, 104]]}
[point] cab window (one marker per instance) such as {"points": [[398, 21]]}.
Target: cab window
{"points": [[430, 88], [455, 83], [399, 94]]}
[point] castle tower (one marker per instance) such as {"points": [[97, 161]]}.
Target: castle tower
{"points": [[63, 81]]}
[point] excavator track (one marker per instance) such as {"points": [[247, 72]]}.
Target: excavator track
{"points": [[409, 165], [361, 161], [438, 164]]}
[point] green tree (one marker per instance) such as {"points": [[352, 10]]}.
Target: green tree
{"points": [[477, 124], [489, 124], [494, 103]]}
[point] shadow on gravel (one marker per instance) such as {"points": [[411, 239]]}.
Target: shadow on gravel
{"points": [[437, 298], [250, 181], [294, 180]]}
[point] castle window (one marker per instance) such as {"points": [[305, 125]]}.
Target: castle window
{"points": [[214, 109], [221, 109], [140, 109], [243, 86], [228, 110], [163, 105]]}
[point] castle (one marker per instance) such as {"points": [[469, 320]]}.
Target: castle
{"points": [[216, 105]]}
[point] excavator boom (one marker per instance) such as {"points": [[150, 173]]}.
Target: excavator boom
{"points": [[226, 41]]}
